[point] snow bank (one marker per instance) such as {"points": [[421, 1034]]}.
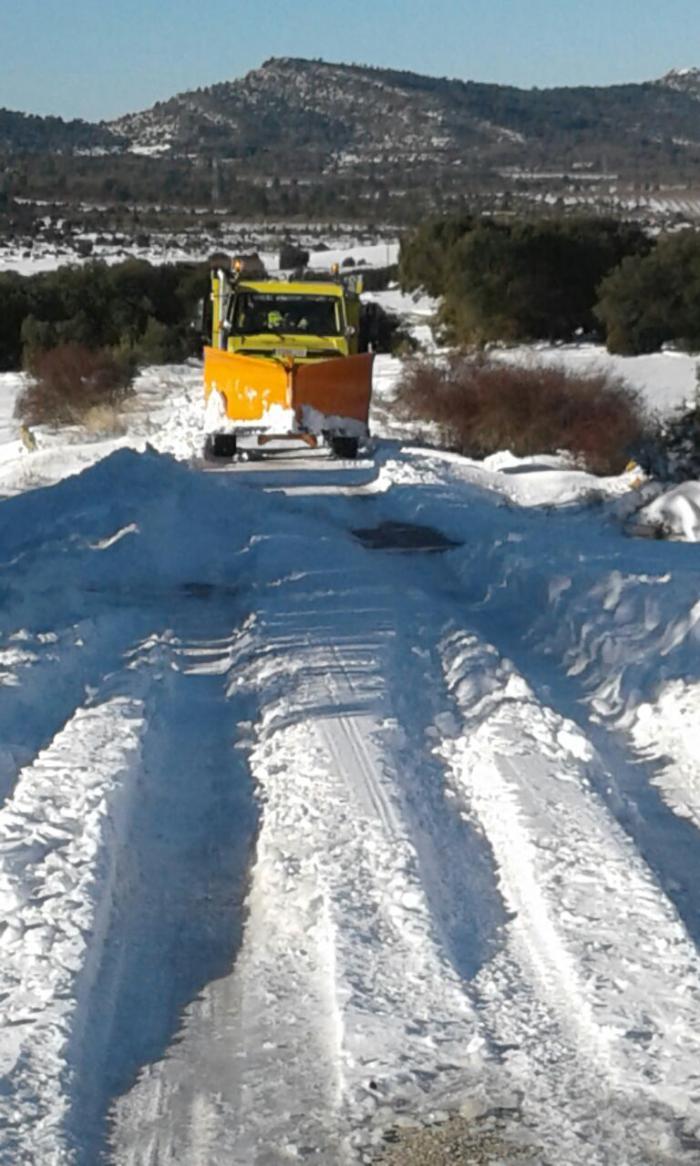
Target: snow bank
{"points": [[59, 837], [676, 512], [529, 775], [666, 730], [621, 614]]}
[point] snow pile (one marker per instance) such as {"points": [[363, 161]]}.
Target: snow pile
{"points": [[675, 512], [313, 421], [546, 479], [667, 730], [166, 413], [621, 614], [59, 837]]}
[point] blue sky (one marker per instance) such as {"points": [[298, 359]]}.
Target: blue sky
{"points": [[83, 58]]}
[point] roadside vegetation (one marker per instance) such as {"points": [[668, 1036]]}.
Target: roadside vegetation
{"points": [[75, 385], [654, 299], [480, 405], [82, 332], [517, 280], [133, 309], [561, 279], [558, 280]]}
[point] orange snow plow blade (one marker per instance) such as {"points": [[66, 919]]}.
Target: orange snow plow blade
{"points": [[337, 388], [340, 387], [250, 384]]}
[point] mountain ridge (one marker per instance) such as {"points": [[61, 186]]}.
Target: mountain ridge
{"points": [[296, 122], [327, 110]]}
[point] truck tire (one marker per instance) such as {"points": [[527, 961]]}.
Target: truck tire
{"points": [[220, 445], [345, 447]]}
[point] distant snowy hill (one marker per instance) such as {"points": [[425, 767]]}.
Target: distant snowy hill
{"points": [[311, 117], [350, 117], [683, 81], [309, 139]]}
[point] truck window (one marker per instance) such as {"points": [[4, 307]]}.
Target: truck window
{"points": [[258, 312]]}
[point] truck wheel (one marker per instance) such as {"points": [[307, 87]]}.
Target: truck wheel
{"points": [[344, 447], [220, 445]]}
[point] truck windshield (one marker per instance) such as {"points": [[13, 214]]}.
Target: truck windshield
{"points": [[256, 312]]}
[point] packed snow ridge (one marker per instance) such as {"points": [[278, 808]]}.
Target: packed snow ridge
{"points": [[338, 798]]}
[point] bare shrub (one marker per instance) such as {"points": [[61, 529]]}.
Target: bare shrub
{"points": [[482, 405], [104, 421], [69, 381]]}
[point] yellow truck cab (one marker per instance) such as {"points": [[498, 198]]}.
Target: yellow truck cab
{"points": [[284, 362]]}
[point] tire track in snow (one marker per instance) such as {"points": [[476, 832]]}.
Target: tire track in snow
{"points": [[57, 837], [626, 781], [175, 918], [98, 952], [593, 1086], [454, 865], [343, 1010], [47, 676], [569, 1095], [554, 978], [614, 1009], [255, 1064], [348, 739], [393, 986]]}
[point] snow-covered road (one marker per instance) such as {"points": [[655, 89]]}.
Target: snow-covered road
{"points": [[311, 831]]}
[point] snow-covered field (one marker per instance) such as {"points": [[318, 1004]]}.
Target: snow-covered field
{"points": [[665, 380], [341, 797], [32, 256]]}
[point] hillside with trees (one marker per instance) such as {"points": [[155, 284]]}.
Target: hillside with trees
{"points": [[300, 137], [24, 133]]}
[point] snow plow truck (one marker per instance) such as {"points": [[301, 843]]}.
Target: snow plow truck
{"points": [[284, 364]]}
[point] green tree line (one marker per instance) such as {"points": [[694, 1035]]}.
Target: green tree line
{"points": [[137, 309], [523, 280]]}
